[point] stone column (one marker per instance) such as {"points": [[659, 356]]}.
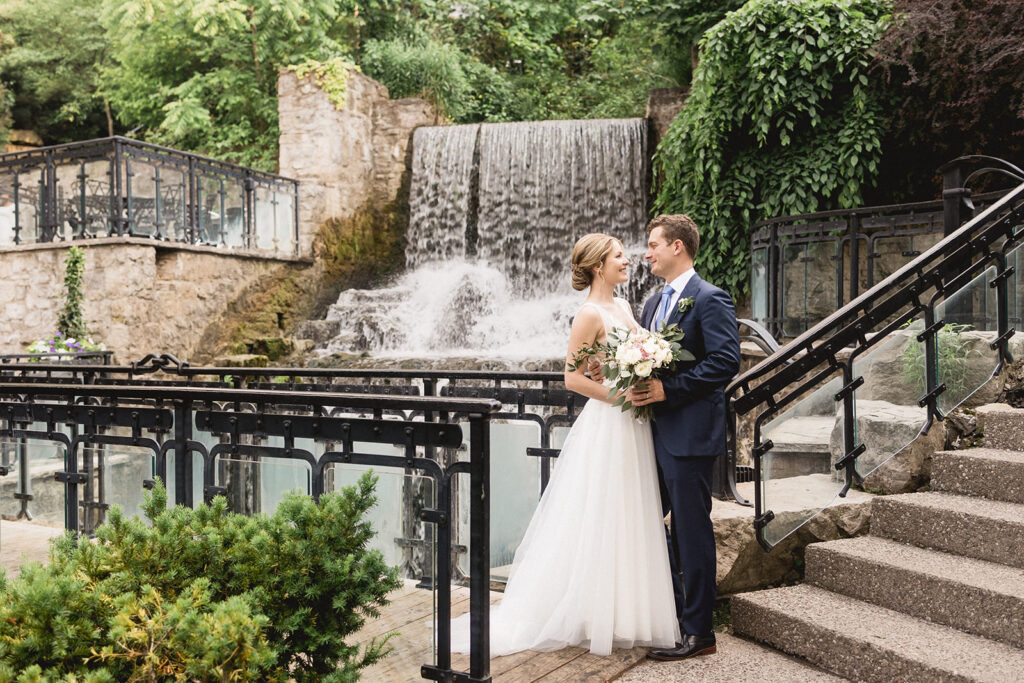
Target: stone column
{"points": [[343, 158]]}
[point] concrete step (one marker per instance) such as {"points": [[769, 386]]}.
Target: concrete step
{"points": [[865, 642], [1001, 426], [970, 595], [981, 472], [801, 446], [972, 527]]}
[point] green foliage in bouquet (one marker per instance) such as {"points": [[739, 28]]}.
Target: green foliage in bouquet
{"points": [[203, 595], [625, 362]]}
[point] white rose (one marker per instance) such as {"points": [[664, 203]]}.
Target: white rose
{"points": [[662, 356], [644, 369], [650, 346]]}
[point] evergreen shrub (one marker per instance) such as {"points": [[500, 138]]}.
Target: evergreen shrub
{"points": [[202, 595]]}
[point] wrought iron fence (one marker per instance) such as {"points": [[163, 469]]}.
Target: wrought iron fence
{"points": [[122, 187], [805, 267], [104, 433], [904, 346]]}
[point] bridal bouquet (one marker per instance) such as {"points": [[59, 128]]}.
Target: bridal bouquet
{"points": [[631, 357]]}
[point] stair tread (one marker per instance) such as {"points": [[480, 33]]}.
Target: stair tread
{"points": [[904, 637], [968, 505], [808, 433], [989, 576], [985, 454]]}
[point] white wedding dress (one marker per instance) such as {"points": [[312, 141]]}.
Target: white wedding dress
{"points": [[592, 570]]}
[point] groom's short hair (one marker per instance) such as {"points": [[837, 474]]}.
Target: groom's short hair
{"points": [[678, 226]]}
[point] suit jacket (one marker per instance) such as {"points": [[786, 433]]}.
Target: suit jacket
{"points": [[691, 420]]}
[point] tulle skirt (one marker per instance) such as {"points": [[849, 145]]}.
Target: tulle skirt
{"points": [[592, 570]]}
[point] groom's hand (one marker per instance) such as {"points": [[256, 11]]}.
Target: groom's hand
{"points": [[651, 391]]}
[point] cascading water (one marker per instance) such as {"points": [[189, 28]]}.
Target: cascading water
{"points": [[494, 212]]}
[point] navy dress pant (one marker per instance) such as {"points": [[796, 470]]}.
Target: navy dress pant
{"points": [[686, 491]]}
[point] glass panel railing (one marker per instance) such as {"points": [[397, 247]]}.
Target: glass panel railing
{"points": [[120, 472], [30, 491], [965, 360], [888, 416], [796, 473], [256, 484], [759, 285], [515, 489], [1015, 288], [406, 541], [31, 501], [809, 284]]}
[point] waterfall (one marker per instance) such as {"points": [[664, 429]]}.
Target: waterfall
{"points": [[494, 212]]}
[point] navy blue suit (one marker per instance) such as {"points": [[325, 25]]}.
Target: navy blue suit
{"points": [[689, 433]]}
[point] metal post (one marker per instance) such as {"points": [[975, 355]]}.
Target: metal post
{"points": [[443, 579], [480, 539], [158, 223], [82, 178], [854, 230], [182, 463], [129, 222], [118, 191], [957, 208], [774, 322], [295, 211], [17, 208]]}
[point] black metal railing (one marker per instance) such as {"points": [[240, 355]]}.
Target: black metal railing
{"points": [[191, 416], [914, 346], [805, 267], [118, 187], [100, 357]]}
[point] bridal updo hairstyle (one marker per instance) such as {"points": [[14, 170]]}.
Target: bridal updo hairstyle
{"points": [[589, 252]]}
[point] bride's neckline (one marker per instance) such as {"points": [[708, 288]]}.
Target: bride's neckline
{"points": [[616, 318]]}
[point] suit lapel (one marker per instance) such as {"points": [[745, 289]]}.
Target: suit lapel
{"points": [[691, 289], [647, 317]]}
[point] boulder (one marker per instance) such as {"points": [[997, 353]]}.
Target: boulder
{"points": [[743, 565], [892, 436]]}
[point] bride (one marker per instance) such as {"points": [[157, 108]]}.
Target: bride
{"points": [[592, 570]]}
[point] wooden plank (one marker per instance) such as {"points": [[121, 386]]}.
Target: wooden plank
{"points": [[539, 665], [591, 667], [403, 617]]}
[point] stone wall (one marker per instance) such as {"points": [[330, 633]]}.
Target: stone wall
{"points": [[140, 297], [344, 159]]}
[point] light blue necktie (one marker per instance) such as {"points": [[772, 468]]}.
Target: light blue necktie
{"points": [[666, 299]]}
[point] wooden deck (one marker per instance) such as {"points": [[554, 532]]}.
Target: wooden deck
{"points": [[411, 613]]}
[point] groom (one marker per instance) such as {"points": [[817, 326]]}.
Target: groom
{"points": [[689, 420]]}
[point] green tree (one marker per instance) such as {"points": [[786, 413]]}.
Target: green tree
{"points": [[52, 63], [782, 119], [203, 595], [202, 75]]}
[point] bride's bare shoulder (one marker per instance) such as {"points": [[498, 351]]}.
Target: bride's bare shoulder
{"points": [[588, 315]]}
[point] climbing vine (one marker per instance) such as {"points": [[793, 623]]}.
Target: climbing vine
{"points": [[331, 75], [782, 119], [71, 320]]}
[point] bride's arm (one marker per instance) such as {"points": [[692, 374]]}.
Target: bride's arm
{"points": [[585, 328]]}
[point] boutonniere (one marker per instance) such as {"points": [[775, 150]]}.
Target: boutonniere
{"points": [[685, 305]]}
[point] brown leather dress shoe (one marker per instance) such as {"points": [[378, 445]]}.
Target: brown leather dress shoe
{"points": [[691, 646]]}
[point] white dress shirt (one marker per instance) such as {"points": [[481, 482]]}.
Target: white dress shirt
{"points": [[677, 289]]}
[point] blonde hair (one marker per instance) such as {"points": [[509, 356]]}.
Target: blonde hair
{"points": [[588, 253]]}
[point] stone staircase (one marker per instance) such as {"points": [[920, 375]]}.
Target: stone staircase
{"points": [[934, 593]]}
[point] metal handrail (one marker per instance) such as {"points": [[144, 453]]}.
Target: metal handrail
{"points": [[831, 347]]}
